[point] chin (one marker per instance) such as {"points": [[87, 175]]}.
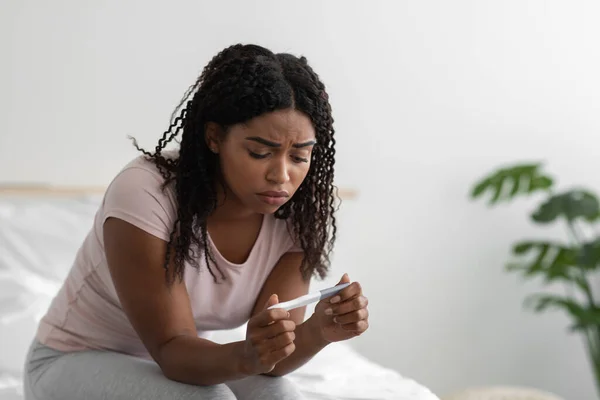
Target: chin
{"points": [[266, 209]]}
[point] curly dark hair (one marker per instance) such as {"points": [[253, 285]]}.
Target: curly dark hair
{"points": [[240, 83]]}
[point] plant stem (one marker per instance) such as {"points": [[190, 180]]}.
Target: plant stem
{"points": [[579, 243], [594, 357], [592, 335]]}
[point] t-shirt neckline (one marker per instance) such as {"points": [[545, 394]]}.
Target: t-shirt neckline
{"points": [[253, 251]]}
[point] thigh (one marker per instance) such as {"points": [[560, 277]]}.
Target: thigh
{"points": [[95, 375], [261, 387]]}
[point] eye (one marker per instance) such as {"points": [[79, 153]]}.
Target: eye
{"points": [[300, 159], [257, 156]]}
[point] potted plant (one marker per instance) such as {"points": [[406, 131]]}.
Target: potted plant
{"points": [[571, 262]]}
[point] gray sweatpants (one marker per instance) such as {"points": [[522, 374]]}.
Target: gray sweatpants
{"points": [[102, 375]]}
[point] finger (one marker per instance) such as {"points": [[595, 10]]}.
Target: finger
{"points": [[260, 337], [352, 317], [273, 299], [347, 293], [345, 279], [277, 328], [348, 306], [356, 327], [268, 317], [278, 342], [279, 354]]}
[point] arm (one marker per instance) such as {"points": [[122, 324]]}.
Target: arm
{"points": [[162, 317], [287, 282]]}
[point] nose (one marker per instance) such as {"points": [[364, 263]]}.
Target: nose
{"points": [[278, 172]]}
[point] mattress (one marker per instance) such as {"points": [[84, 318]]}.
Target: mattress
{"points": [[38, 240]]}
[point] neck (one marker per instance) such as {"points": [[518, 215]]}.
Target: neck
{"points": [[229, 208]]}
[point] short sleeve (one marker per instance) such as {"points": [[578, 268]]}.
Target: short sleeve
{"points": [[136, 196], [293, 242], [295, 249]]}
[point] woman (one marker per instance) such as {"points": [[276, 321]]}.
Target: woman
{"points": [[207, 238]]}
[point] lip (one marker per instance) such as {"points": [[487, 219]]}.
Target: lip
{"points": [[272, 193], [274, 198]]}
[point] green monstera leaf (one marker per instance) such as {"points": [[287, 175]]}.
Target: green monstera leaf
{"points": [[573, 264], [589, 254], [551, 260], [571, 205], [554, 262], [584, 316], [507, 183]]}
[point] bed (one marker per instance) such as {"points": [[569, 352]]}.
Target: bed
{"points": [[39, 234]]}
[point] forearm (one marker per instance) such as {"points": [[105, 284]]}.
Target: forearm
{"points": [[308, 343], [197, 361]]}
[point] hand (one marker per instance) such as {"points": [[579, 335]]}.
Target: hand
{"points": [[344, 315], [269, 339]]}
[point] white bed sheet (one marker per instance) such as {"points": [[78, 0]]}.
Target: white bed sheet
{"points": [[38, 241]]}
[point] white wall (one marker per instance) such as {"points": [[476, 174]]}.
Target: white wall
{"points": [[427, 95]]}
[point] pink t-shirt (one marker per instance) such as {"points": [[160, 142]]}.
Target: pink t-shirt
{"points": [[86, 312]]}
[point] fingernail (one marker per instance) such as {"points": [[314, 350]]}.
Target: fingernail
{"points": [[288, 315], [335, 299], [335, 319], [328, 311]]}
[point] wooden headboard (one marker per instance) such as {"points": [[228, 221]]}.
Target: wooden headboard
{"points": [[43, 190]]}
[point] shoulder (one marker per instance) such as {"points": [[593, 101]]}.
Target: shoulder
{"points": [[138, 196], [140, 177], [282, 234], [142, 166]]}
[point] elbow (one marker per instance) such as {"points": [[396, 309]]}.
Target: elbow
{"points": [[178, 374], [165, 356], [169, 369], [276, 372], [170, 373], [175, 362], [271, 374]]}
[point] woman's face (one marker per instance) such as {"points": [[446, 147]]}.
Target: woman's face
{"points": [[264, 160]]}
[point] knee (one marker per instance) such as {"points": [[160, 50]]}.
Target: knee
{"points": [[286, 389], [265, 387], [216, 392]]}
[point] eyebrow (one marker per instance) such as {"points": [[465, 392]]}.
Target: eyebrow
{"points": [[274, 144]]}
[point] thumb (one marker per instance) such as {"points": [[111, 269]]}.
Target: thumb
{"points": [[274, 299], [345, 279]]}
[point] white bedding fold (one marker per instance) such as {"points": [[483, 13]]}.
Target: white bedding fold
{"points": [[38, 240]]}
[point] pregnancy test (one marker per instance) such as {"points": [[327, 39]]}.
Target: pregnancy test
{"points": [[310, 298]]}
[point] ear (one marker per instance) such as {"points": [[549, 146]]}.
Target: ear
{"points": [[212, 135]]}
